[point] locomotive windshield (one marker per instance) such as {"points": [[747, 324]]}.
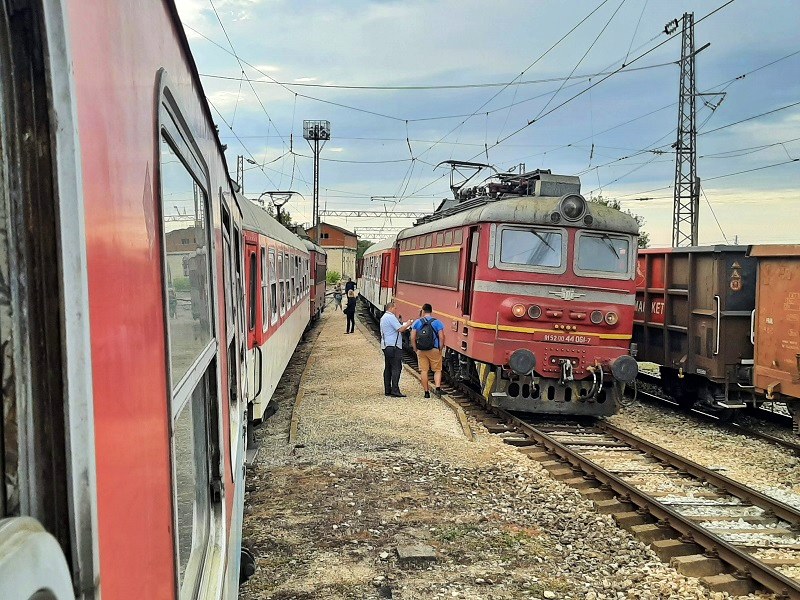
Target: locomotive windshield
{"points": [[531, 247], [603, 253]]}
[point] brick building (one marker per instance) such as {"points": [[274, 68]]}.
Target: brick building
{"points": [[341, 246]]}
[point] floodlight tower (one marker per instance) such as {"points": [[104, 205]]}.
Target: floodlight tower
{"points": [[315, 132]]}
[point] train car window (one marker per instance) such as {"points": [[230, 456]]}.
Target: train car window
{"points": [[264, 291], [251, 325], [286, 269], [273, 286], [533, 247], [448, 238], [458, 237], [429, 240], [227, 270], [280, 283], [603, 255], [295, 279], [191, 481], [439, 239], [435, 269], [187, 265], [191, 347]]}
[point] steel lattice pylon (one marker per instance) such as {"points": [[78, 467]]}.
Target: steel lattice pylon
{"points": [[687, 185]]}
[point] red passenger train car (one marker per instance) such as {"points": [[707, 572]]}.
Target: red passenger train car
{"points": [[124, 324], [377, 278], [318, 264], [535, 287]]}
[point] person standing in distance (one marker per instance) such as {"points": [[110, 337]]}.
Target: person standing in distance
{"points": [[350, 285], [427, 339], [350, 312], [392, 345]]}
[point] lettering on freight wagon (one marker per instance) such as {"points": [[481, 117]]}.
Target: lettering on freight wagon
{"points": [[656, 309]]}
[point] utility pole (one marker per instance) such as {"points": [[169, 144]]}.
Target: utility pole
{"points": [[315, 132], [687, 184], [240, 173]]}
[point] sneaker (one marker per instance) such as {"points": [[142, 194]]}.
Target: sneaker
{"points": [[438, 392], [427, 394]]}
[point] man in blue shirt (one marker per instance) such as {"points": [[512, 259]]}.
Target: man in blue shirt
{"points": [[427, 339], [392, 345]]}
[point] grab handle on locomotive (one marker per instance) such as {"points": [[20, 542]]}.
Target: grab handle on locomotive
{"points": [[719, 322]]}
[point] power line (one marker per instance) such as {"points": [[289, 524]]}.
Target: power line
{"points": [[421, 87], [769, 112], [402, 214], [216, 110]]}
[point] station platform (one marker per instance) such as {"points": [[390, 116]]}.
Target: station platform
{"points": [[378, 497]]}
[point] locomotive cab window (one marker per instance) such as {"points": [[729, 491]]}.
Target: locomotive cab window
{"points": [[603, 255], [541, 249]]}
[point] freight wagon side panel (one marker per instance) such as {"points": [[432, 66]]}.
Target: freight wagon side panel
{"points": [[693, 309], [777, 321]]}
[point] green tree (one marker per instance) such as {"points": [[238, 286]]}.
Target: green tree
{"points": [[362, 247], [333, 277], [644, 237]]}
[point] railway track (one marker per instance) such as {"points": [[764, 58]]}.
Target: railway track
{"points": [[705, 524], [733, 426]]}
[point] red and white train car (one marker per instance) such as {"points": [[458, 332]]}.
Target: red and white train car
{"points": [[376, 284], [278, 300], [536, 292], [124, 321], [317, 261]]}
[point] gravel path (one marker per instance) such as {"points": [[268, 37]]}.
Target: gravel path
{"points": [[370, 474], [766, 467]]}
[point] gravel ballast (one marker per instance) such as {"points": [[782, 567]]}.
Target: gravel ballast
{"points": [[369, 474]]}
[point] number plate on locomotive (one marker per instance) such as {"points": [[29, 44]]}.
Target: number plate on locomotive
{"points": [[565, 338]]}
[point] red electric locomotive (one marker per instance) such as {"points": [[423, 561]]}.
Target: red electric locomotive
{"points": [[536, 288]]}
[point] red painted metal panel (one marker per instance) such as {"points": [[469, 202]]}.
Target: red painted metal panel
{"points": [[118, 50]]}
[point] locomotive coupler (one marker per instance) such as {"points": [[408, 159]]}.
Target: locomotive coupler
{"points": [[566, 371]]}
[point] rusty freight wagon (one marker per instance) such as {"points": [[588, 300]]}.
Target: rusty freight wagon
{"points": [[776, 325], [693, 317]]}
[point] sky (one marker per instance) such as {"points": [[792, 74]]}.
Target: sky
{"points": [[539, 82]]}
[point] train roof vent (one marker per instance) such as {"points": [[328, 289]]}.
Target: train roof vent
{"points": [[557, 185]]}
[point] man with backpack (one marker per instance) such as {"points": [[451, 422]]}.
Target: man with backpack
{"points": [[427, 339]]}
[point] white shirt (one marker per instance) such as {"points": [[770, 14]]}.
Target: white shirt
{"points": [[390, 331]]}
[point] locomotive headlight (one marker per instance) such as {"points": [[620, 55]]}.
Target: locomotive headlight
{"points": [[573, 207], [612, 318], [534, 311], [596, 317], [518, 310]]}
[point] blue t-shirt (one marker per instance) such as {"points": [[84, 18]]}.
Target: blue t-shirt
{"points": [[435, 323], [390, 331]]}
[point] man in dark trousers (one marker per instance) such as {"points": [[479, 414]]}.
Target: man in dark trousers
{"points": [[392, 345], [427, 339], [350, 285], [350, 312]]}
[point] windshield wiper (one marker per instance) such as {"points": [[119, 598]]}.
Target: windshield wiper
{"points": [[607, 240], [544, 240]]}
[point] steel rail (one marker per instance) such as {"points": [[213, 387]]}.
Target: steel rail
{"points": [[742, 561], [734, 427]]}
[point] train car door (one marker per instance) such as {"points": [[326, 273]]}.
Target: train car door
{"points": [[469, 270]]}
